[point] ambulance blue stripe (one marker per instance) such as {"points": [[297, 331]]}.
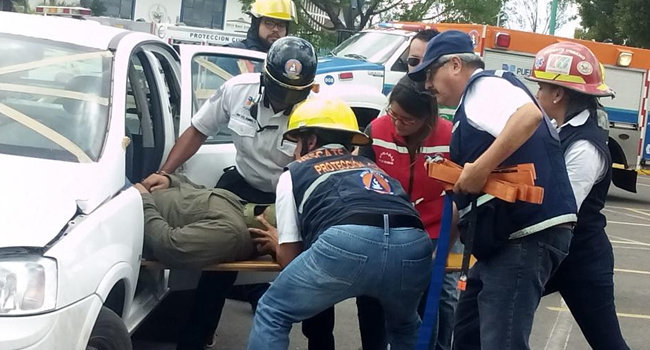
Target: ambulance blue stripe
{"points": [[336, 64], [387, 89], [620, 115]]}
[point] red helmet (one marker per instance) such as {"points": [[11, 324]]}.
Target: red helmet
{"points": [[573, 66]]}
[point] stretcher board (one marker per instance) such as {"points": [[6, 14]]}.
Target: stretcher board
{"points": [[264, 264]]}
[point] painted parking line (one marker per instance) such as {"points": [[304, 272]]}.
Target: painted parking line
{"points": [[626, 214], [561, 331], [636, 210], [630, 248], [627, 223], [632, 271], [619, 314], [621, 240]]}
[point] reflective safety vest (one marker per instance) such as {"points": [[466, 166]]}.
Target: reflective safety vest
{"points": [[331, 185], [542, 149], [391, 155]]}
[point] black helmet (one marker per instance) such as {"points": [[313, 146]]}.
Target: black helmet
{"points": [[289, 70]]}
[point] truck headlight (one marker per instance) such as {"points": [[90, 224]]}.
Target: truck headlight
{"points": [[28, 285]]}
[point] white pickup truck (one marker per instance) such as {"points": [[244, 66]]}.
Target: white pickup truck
{"points": [[86, 110]]}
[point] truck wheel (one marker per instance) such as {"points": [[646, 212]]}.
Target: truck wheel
{"points": [[109, 333]]}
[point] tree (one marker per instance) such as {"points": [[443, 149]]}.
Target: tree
{"points": [[534, 15], [464, 11], [621, 21], [634, 21], [345, 17], [14, 6]]}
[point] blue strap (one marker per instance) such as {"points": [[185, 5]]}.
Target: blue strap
{"points": [[437, 276]]}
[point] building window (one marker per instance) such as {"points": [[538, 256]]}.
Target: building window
{"points": [[118, 8], [203, 13]]}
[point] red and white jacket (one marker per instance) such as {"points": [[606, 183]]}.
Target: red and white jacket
{"points": [[391, 154]]}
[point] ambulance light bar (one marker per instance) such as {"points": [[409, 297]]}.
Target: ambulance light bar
{"points": [[63, 11], [413, 27]]}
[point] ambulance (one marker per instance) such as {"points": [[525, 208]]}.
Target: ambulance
{"points": [[627, 71]]}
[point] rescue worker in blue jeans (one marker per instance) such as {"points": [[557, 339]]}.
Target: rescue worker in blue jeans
{"points": [[345, 229], [518, 245], [254, 108], [585, 279]]}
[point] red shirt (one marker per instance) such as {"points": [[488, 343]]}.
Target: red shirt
{"points": [[391, 155]]}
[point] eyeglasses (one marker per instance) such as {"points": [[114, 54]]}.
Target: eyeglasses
{"points": [[413, 61], [270, 24], [435, 67], [395, 118]]}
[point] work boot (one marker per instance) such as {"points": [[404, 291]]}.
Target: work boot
{"points": [[251, 210]]}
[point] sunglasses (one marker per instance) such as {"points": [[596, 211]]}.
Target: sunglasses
{"points": [[413, 61], [431, 72]]}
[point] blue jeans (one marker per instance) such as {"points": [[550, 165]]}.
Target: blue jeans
{"points": [[496, 310], [447, 306], [392, 265], [372, 320]]}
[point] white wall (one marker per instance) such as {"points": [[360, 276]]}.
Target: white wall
{"points": [[163, 11], [235, 19]]}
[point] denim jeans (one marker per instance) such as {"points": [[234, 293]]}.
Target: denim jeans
{"points": [[496, 310], [372, 320], [447, 306], [392, 265]]}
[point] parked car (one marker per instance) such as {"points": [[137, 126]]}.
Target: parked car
{"points": [[85, 111]]}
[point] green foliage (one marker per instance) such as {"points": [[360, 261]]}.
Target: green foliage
{"points": [[621, 21], [634, 21], [344, 20], [473, 11]]}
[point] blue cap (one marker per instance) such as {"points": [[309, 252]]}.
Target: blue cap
{"points": [[445, 43]]}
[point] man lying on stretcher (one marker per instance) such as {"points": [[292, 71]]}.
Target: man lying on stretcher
{"points": [[190, 226]]}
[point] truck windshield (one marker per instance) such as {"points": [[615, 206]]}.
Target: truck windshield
{"points": [[375, 47], [54, 99]]}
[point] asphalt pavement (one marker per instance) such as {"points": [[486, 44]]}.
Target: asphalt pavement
{"points": [[628, 216]]}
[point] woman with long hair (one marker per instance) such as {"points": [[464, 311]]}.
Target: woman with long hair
{"points": [[410, 131]]}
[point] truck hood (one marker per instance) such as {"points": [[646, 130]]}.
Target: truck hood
{"points": [[40, 196], [337, 64]]}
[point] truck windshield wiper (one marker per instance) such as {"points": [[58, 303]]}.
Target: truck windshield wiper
{"points": [[356, 56]]}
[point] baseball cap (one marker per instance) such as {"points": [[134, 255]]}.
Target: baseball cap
{"points": [[445, 43]]}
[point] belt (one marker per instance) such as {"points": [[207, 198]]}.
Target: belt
{"points": [[567, 225], [377, 220]]}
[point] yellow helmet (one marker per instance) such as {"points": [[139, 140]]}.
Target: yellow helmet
{"points": [[327, 114], [284, 10]]}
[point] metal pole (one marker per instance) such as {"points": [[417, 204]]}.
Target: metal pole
{"points": [[551, 25]]}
